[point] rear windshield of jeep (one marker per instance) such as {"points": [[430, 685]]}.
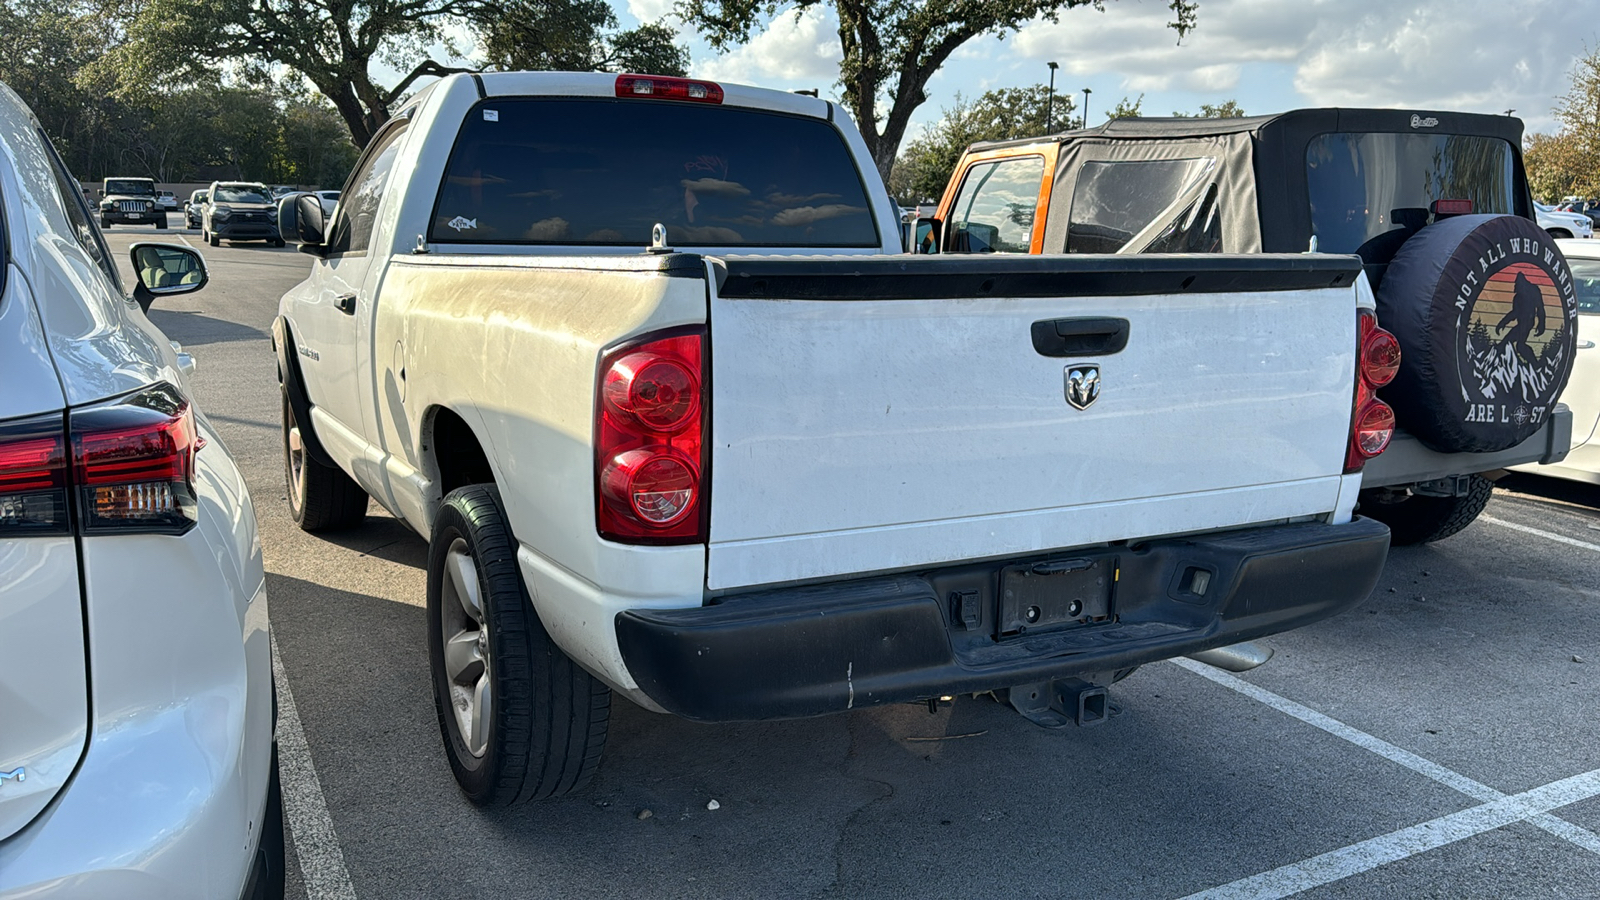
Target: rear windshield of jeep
{"points": [[604, 172], [1365, 186], [131, 188]]}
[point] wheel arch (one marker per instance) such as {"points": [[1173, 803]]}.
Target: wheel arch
{"points": [[453, 453], [289, 376]]}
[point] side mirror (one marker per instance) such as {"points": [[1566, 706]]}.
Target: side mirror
{"points": [[930, 234], [301, 222], [166, 269]]}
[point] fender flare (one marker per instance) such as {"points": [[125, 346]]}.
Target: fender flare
{"points": [[294, 389]]}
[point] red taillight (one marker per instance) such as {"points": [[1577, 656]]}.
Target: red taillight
{"points": [[1371, 419], [650, 414], [133, 463], [661, 87], [1452, 207], [33, 478]]}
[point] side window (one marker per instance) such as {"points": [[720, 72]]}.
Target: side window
{"points": [[83, 227], [1113, 201], [1197, 229], [358, 211], [994, 209]]}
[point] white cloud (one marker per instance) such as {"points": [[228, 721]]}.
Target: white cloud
{"points": [[1471, 55], [649, 10], [792, 49]]}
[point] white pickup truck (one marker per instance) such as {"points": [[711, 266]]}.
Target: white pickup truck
{"points": [[645, 362]]}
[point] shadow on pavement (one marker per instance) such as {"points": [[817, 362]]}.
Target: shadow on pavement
{"points": [[195, 329], [384, 538], [1560, 490]]}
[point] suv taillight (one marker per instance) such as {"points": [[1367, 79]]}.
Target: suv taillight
{"points": [[1371, 419], [650, 416], [131, 468]]}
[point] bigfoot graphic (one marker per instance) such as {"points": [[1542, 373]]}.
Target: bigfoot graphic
{"points": [[1525, 318]]}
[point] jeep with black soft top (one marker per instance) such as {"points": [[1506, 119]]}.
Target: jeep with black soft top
{"points": [[131, 201], [1436, 204]]}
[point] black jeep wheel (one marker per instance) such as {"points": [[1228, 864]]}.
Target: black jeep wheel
{"points": [[213, 240], [1419, 519], [321, 498], [520, 720]]}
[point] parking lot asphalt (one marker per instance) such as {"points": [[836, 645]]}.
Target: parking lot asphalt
{"points": [[1441, 740]]}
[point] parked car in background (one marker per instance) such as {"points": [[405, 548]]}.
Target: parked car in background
{"points": [[1475, 394], [167, 201], [279, 191], [646, 503], [1582, 394], [329, 201], [1564, 224], [193, 210], [131, 201], [1583, 207], [137, 758], [238, 211]]}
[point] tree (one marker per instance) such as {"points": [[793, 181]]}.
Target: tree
{"points": [[1126, 110], [576, 36], [1227, 109], [892, 48], [1568, 162], [333, 44], [923, 170]]}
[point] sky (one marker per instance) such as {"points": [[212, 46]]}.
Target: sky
{"points": [[1268, 55]]}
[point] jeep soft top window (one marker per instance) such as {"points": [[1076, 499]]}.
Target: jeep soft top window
{"points": [[1363, 185], [1586, 278], [130, 187], [603, 172], [1113, 201], [241, 193]]}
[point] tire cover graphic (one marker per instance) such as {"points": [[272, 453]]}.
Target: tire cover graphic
{"points": [[1486, 315]]}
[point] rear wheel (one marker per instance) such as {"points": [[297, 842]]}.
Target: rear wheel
{"points": [[1559, 233], [1420, 519], [277, 242], [321, 498], [213, 240], [520, 720]]}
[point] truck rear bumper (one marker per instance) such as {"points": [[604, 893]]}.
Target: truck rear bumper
{"points": [[1407, 461], [828, 648]]}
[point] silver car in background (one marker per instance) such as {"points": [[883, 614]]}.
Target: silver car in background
{"points": [[137, 759]]}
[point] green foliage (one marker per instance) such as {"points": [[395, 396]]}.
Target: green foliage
{"points": [[1126, 110], [1568, 162], [575, 36], [892, 48], [1227, 109], [924, 168]]}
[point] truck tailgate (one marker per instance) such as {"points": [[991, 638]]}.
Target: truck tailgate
{"points": [[891, 413]]}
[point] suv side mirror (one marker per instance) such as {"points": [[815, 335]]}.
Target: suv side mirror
{"points": [[166, 269], [301, 222], [929, 237]]}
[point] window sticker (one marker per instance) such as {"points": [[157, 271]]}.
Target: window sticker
{"points": [[491, 115], [462, 223]]}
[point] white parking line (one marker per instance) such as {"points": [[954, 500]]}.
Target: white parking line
{"points": [[1397, 845], [185, 241], [1547, 535], [306, 809], [1455, 780]]}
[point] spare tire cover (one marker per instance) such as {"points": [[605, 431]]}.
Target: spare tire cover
{"points": [[1486, 315]]}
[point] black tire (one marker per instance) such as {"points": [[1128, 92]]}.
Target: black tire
{"points": [[271, 861], [1417, 519], [213, 240], [321, 498], [1486, 317], [104, 224], [1561, 233], [161, 224], [277, 242], [547, 719]]}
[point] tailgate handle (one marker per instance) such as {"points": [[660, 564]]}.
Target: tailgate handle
{"points": [[1089, 336]]}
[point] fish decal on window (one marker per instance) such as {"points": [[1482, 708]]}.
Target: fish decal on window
{"points": [[462, 223]]}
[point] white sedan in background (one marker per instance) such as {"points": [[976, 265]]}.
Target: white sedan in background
{"points": [[1563, 224], [329, 201], [1582, 393], [137, 759]]}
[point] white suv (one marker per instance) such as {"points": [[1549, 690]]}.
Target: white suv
{"points": [[136, 702]]}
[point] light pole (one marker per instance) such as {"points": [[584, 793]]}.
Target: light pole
{"points": [[1086, 93], [1050, 105]]}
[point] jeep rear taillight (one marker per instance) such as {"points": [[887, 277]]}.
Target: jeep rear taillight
{"points": [[33, 478], [1371, 419], [650, 417], [128, 464]]}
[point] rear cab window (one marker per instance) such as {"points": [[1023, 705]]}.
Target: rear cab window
{"points": [[604, 172], [1368, 191]]}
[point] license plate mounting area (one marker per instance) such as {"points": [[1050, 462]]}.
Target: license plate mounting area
{"points": [[1055, 594]]}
